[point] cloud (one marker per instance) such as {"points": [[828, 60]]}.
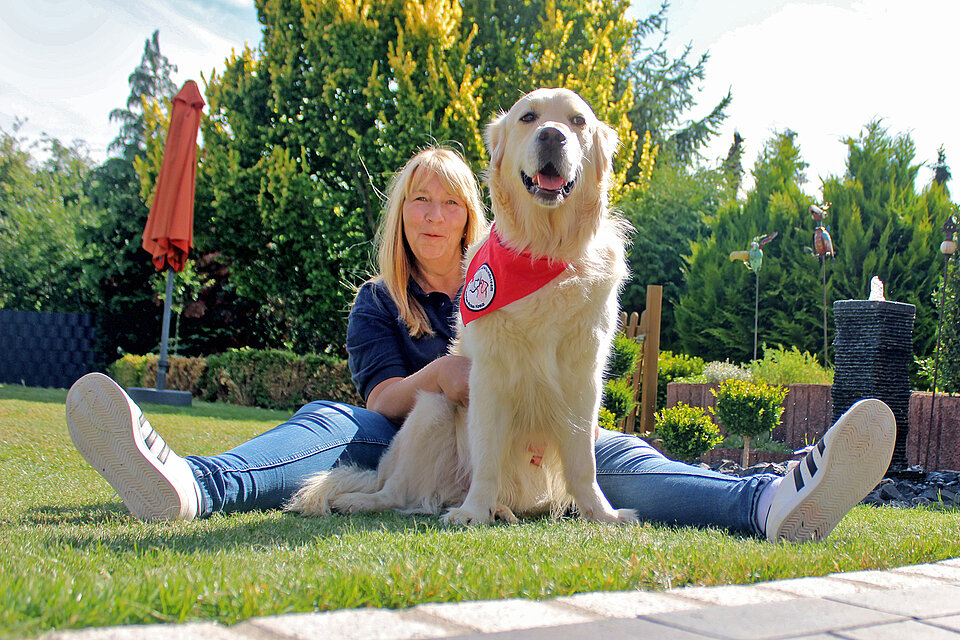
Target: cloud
{"points": [[64, 65]]}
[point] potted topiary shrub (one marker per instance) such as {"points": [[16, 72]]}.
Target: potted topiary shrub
{"points": [[748, 409], [686, 432]]}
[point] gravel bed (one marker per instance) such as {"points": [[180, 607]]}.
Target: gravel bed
{"points": [[910, 488]]}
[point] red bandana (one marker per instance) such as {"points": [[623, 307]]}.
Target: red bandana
{"points": [[498, 275]]}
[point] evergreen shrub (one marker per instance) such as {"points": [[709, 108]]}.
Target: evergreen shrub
{"points": [[624, 358], [686, 432], [617, 390], [618, 398]]}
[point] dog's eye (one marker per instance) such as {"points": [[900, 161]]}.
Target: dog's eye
{"points": [[530, 116], [578, 121]]}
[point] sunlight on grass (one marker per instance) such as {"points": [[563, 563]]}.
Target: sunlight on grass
{"points": [[71, 556]]}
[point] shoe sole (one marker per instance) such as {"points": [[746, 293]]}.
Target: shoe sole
{"points": [[857, 453], [104, 429]]}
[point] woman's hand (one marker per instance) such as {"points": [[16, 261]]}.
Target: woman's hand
{"points": [[449, 375]]}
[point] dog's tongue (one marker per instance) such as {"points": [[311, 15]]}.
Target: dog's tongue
{"points": [[553, 183]]}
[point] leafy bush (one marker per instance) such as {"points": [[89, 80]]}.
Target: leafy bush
{"points": [[607, 420], [183, 374], [618, 398], [128, 370], [673, 367], [921, 373], [276, 379], [748, 409], [789, 366], [624, 358], [948, 374], [686, 432]]}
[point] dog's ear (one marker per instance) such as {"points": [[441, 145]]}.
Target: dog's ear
{"points": [[605, 142], [495, 136]]}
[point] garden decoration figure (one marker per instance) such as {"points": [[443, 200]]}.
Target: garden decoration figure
{"points": [[876, 289], [753, 259], [822, 247], [948, 247]]}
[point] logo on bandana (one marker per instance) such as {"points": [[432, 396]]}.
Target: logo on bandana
{"points": [[479, 292]]}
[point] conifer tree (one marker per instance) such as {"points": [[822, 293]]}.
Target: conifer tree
{"points": [[149, 82], [664, 91], [883, 227], [116, 266], [715, 315]]}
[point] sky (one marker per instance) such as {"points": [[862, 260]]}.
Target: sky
{"points": [[820, 68]]}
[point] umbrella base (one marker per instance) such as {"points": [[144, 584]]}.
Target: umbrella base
{"points": [[141, 395]]}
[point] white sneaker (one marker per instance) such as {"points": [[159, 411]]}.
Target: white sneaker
{"points": [[835, 475], [113, 435]]}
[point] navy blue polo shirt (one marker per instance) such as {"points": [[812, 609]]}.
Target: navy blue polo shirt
{"points": [[379, 345]]}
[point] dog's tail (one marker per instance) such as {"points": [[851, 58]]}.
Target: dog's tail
{"points": [[319, 491]]}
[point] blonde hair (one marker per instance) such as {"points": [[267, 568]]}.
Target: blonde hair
{"points": [[395, 260]]}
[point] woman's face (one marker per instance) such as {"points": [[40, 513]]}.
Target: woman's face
{"points": [[434, 223]]}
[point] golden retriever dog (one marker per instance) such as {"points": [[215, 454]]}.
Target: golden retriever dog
{"points": [[525, 444]]}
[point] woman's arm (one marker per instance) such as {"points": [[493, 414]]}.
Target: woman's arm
{"points": [[449, 375]]}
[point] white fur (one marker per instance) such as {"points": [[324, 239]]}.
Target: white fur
{"points": [[537, 363]]}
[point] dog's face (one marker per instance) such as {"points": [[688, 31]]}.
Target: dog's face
{"points": [[548, 145]]}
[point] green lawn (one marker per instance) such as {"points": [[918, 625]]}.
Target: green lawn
{"points": [[70, 556]]}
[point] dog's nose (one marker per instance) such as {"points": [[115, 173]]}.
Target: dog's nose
{"points": [[552, 136]]}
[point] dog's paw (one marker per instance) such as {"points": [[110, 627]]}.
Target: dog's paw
{"points": [[467, 517], [503, 512], [613, 516], [627, 516]]}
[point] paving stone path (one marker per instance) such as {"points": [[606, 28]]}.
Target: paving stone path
{"points": [[919, 601]]}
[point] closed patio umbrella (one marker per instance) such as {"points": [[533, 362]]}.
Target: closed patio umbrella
{"points": [[168, 236]]}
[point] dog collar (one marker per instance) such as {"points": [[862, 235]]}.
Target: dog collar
{"points": [[498, 275]]}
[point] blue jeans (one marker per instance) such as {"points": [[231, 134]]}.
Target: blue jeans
{"points": [[264, 472]]}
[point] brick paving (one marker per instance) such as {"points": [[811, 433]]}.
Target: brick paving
{"points": [[920, 601]]}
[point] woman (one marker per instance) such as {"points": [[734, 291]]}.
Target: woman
{"points": [[399, 329]]}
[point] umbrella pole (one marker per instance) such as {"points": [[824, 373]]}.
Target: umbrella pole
{"points": [[163, 365]]}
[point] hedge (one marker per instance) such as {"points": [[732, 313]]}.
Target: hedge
{"points": [[271, 379]]}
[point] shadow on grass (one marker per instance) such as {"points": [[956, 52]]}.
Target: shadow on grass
{"points": [[200, 409], [96, 514], [110, 526]]}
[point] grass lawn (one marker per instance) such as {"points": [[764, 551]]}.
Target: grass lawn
{"points": [[71, 556]]}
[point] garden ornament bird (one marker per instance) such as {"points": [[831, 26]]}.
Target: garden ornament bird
{"points": [[822, 242], [753, 258]]}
